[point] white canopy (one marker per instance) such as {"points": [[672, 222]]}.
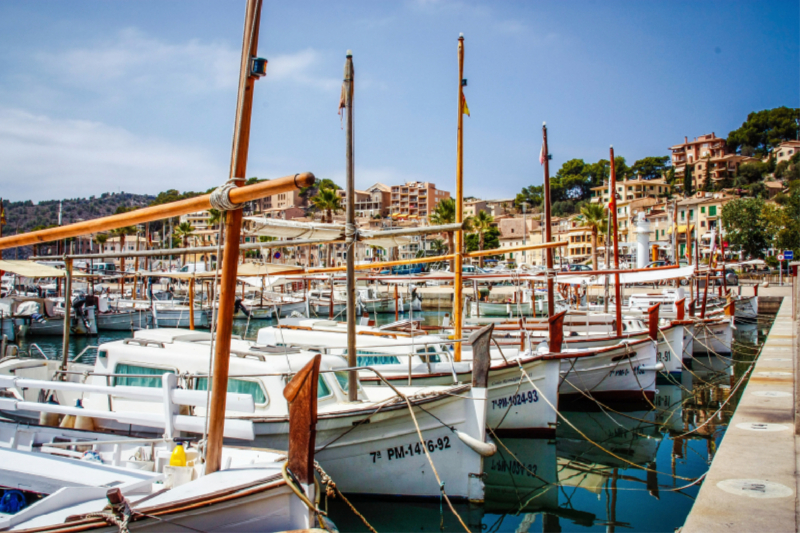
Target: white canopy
{"points": [[645, 276], [288, 229]]}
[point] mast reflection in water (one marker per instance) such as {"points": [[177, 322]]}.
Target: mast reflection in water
{"points": [[615, 470]]}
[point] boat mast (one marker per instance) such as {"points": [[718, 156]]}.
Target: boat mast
{"points": [[459, 244], [233, 227], [350, 232], [548, 230], [613, 206]]}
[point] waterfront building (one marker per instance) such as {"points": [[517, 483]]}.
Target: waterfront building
{"points": [[415, 200]]}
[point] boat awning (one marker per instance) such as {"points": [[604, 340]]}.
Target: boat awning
{"points": [[256, 281], [681, 229], [645, 276], [245, 270], [31, 269], [287, 229]]}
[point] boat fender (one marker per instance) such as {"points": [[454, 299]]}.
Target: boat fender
{"points": [[485, 449], [658, 367]]}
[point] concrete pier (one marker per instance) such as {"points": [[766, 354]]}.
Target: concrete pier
{"points": [[752, 484]]}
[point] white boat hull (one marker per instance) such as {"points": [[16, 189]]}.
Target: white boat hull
{"points": [[624, 373], [713, 337], [125, 320]]}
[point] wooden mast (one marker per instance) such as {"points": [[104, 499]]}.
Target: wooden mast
{"points": [[350, 234], [459, 241], [613, 205], [548, 236], [233, 228]]}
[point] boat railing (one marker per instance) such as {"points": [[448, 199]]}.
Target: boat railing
{"points": [[33, 345], [169, 393], [83, 352]]}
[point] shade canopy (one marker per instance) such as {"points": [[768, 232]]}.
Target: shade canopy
{"points": [[31, 269]]}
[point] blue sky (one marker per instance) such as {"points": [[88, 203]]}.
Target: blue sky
{"points": [[140, 96]]}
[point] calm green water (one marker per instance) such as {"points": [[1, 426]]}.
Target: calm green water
{"points": [[636, 474]]}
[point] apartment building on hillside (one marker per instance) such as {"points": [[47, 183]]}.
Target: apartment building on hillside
{"points": [[371, 202], [708, 155], [415, 200], [632, 190]]}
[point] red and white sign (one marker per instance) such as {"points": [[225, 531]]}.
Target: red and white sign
{"points": [[780, 257]]}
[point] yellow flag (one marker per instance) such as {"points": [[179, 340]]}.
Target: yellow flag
{"points": [[465, 107]]}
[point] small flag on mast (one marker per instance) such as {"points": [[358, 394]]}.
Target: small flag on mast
{"points": [[541, 154], [464, 106]]}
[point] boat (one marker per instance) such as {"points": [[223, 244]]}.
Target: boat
{"points": [[351, 438], [62, 479]]}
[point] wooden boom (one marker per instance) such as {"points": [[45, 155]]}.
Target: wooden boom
{"points": [[238, 195]]}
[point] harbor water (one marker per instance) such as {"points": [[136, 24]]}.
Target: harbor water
{"points": [[608, 469]]}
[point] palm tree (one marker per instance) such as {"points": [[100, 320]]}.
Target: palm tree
{"points": [[438, 246], [594, 217], [183, 231], [121, 233], [481, 223], [101, 239], [330, 202], [214, 217], [445, 213]]}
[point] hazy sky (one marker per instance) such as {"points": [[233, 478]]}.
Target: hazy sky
{"points": [[100, 96]]}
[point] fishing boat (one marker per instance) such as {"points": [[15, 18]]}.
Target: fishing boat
{"points": [[516, 406], [41, 316], [61, 479], [375, 438]]}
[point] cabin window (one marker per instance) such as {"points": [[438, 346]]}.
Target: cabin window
{"points": [[323, 391], [376, 359], [239, 386], [341, 377], [433, 357], [139, 375]]}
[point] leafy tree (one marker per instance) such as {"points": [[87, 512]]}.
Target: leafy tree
{"points": [[533, 196], [745, 227], [706, 186], [753, 171], [758, 190], [445, 213], [650, 167], [764, 130], [594, 217], [688, 190], [491, 240], [482, 223]]}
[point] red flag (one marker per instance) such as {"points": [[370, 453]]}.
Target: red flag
{"points": [[542, 155]]}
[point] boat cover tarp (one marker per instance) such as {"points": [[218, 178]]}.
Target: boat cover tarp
{"points": [[645, 276], [31, 269], [289, 229]]}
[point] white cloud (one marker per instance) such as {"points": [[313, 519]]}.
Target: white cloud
{"points": [[135, 61], [146, 63], [299, 67], [45, 158]]}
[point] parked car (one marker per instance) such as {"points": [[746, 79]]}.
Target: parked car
{"points": [[579, 268]]}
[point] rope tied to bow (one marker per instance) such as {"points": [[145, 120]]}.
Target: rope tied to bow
{"points": [[221, 200]]}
